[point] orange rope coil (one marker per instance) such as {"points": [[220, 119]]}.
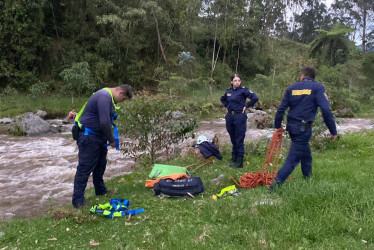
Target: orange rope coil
{"points": [[268, 171]]}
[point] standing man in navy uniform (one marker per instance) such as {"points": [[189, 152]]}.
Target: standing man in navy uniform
{"points": [[234, 100], [95, 130], [302, 98]]}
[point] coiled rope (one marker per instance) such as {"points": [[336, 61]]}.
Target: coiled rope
{"points": [[268, 171]]}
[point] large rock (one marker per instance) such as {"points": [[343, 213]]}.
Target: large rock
{"points": [[345, 113], [31, 124], [259, 119], [5, 121], [41, 113]]}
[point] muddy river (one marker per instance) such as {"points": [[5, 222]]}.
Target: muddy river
{"points": [[37, 173]]}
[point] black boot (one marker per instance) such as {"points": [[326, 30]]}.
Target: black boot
{"points": [[238, 163], [233, 159], [275, 185]]}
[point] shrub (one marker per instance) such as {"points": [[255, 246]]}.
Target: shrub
{"points": [[77, 79], [9, 91], [174, 86], [38, 89], [320, 136], [153, 127]]}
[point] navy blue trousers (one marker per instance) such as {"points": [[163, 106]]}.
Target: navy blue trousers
{"points": [[236, 125], [299, 152], [92, 159]]}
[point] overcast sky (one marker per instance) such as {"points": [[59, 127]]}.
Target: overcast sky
{"points": [[328, 2]]}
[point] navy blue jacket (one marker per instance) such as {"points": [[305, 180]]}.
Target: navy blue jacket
{"points": [[303, 98], [208, 149], [234, 99], [97, 114]]}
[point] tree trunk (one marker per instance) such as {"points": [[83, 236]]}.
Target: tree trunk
{"points": [[214, 63], [214, 57], [55, 26], [159, 38], [364, 29], [237, 60], [225, 40]]}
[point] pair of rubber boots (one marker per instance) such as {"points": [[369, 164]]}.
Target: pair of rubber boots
{"points": [[236, 162]]}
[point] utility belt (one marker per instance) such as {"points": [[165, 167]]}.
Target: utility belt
{"points": [[76, 130], [303, 124], [233, 112], [89, 131]]}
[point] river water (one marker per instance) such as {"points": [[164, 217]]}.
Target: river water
{"points": [[37, 173]]}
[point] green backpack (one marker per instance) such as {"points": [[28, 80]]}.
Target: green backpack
{"points": [[160, 170]]}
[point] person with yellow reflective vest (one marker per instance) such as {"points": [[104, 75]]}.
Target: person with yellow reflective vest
{"points": [[93, 127]]}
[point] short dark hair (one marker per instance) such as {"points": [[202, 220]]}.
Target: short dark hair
{"points": [[309, 72], [234, 75], [127, 89]]}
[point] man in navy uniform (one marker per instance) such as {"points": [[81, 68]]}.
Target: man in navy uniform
{"points": [[302, 98], [95, 123], [234, 100]]}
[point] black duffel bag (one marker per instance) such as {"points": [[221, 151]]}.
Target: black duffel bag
{"points": [[179, 188]]}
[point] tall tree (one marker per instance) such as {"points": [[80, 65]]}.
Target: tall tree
{"points": [[332, 46], [357, 14], [23, 45], [314, 16], [366, 9]]}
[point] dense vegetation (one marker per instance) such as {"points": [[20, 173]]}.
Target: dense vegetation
{"points": [[72, 48], [56, 53], [333, 210]]}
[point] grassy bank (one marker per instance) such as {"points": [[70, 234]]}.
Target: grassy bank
{"points": [[333, 210], [203, 100], [366, 111], [56, 106]]}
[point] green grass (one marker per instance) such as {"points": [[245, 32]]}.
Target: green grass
{"points": [[56, 106], [366, 111], [59, 106], [333, 210], [206, 103]]}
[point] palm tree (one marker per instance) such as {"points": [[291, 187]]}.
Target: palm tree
{"points": [[332, 46]]}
